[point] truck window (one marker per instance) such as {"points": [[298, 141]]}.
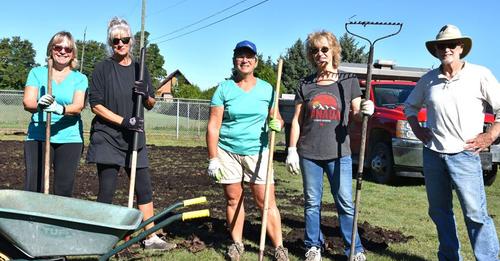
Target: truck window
{"points": [[391, 94]]}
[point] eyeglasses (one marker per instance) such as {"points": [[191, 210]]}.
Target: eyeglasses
{"points": [[125, 40], [241, 57], [450, 45], [59, 48], [323, 49]]}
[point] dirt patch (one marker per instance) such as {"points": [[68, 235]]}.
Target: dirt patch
{"points": [[179, 173]]}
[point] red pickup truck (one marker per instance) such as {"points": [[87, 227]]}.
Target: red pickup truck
{"points": [[392, 148]]}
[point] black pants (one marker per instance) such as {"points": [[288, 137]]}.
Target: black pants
{"points": [[64, 157], [107, 184]]}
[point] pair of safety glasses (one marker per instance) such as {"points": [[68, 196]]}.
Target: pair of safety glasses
{"points": [[323, 49], [59, 48], [124, 40]]}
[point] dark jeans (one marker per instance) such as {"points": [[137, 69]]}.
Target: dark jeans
{"points": [[64, 158]]}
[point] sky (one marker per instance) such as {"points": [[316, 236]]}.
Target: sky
{"points": [[204, 56]]}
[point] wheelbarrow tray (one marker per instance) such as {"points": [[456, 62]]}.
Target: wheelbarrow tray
{"points": [[47, 225]]}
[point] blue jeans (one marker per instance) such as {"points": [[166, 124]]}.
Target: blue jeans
{"points": [[339, 173], [462, 172]]}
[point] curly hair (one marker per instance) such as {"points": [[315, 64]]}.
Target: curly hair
{"points": [[312, 42]]}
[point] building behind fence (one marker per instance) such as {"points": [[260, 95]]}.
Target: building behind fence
{"points": [[180, 118]]}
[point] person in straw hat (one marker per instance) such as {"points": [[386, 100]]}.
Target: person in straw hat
{"points": [[455, 95]]}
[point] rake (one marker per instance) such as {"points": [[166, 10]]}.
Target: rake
{"points": [[359, 176]]}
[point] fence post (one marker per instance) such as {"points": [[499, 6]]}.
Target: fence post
{"points": [[177, 121], [199, 112], [188, 127]]}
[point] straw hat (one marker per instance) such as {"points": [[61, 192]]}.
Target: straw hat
{"points": [[449, 33]]}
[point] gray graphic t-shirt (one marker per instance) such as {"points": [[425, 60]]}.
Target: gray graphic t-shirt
{"points": [[324, 133]]}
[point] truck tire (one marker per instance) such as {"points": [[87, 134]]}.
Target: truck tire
{"points": [[490, 176], [381, 163]]}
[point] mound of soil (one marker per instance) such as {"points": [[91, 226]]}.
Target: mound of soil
{"points": [[178, 173]]}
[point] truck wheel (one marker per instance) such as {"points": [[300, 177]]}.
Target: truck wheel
{"points": [[490, 176], [381, 163]]}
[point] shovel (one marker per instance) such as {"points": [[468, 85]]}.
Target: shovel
{"points": [[269, 167]]}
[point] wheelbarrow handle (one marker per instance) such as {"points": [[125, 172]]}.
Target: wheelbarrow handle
{"points": [[194, 201], [195, 214], [145, 233], [179, 204]]}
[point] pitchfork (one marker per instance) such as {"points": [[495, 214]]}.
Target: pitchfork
{"points": [[359, 176]]}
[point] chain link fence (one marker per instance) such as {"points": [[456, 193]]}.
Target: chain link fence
{"points": [[180, 118]]}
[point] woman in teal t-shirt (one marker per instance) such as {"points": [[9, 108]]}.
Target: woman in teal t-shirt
{"points": [[237, 141], [65, 104]]}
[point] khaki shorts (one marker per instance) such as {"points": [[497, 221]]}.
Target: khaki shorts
{"points": [[238, 168]]}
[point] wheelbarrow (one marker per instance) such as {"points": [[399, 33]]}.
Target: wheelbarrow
{"points": [[39, 226]]}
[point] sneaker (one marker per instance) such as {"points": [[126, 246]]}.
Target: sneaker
{"points": [[235, 251], [360, 257], [313, 254], [281, 254], [157, 243]]}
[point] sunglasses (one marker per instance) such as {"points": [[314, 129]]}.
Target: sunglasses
{"points": [[59, 48], [323, 49], [450, 45], [125, 40]]}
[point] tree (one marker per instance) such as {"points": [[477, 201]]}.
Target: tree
{"points": [[350, 51], [208, 93], [266, 70], [154, 60], [94, 53], [295, 67], [17, 57], [186, 91]]}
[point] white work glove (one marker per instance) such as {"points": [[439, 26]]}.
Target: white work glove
{"points": [[45, 101], [49, 104], [367, 107], [292, 161], [214, 169]]}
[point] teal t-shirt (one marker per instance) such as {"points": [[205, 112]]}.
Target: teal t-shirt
{"points": [[244, 127], [64, 129]]}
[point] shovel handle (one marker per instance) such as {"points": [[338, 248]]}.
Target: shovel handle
{"points": [[48, 121]]}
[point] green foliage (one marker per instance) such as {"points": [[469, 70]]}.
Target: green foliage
{"points": [[295, 67], [266, 70], [154, 60], [350, 51], [186, 91], [208, 93], [94, 53], [17, 57]]}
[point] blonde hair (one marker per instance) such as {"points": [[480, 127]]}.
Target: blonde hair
{"points": [[58, 38], [119, 25], [314, 38]]}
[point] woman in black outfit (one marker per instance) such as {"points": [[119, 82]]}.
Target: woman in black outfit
{"points": [[113, 91]]}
